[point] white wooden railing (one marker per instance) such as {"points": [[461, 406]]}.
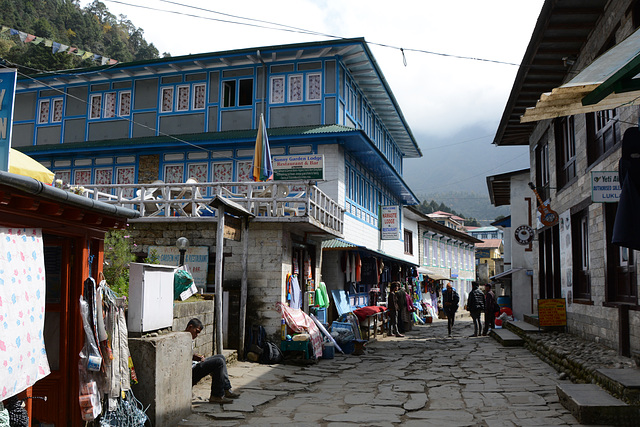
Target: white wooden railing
{"points": [[191, 199]]}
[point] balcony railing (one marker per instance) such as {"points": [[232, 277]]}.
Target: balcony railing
{"points": [[191, 199]]}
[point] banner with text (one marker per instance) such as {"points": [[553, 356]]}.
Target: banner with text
{"points": [[7, 96], [298, 167], [196, 257], [390, 222], [605, 187]]}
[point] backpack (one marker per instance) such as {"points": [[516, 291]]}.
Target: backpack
{"points": [[256, 340], [271, 354]]}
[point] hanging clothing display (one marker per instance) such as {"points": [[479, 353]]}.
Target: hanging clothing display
{"points": [[23, 359], [358, 268], [322, 298], [294, 291]]}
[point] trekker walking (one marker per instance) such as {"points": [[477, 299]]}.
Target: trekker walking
{"points": [[450, 300], [489, 309], [475, 305]]}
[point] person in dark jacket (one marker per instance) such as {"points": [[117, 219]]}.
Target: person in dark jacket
{"points": [[475, 305], [450, 300], [489, 309], [392, 309]]}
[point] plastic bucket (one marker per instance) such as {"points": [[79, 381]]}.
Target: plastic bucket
{"points": [[504, 301]]}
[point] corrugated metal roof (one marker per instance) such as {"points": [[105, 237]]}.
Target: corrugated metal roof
{"points": [[339, 244]]}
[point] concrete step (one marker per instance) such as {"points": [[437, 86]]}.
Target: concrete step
{"points": [[531, 319], [590, 404], [506, 338], [520, 328], [623, 382]]}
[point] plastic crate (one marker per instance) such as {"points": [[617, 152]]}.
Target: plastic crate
{"points": [[321, 314], [348, 347]]}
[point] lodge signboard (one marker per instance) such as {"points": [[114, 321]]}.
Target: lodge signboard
{"points": [[390, 224], [552, 312], [605, 187], [298, 167], [196, 257]]}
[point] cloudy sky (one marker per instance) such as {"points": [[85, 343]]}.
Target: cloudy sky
{"points": [[452, 105]]}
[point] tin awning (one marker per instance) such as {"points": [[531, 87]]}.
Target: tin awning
{"points": [[505, 274], [611, 80]]}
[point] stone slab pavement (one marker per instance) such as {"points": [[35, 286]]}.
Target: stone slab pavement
{"points": [[423, 379]]}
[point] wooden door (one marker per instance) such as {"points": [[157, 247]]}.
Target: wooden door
{"points": [[57, 327]]}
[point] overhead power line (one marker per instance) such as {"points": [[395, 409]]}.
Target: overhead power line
{"points": [[258, 23]]}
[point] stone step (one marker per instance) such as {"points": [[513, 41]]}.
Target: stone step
{"points": [[520, 328], [507, 338], [623, 382], [590, 404], [531, 319], [231, 356]]}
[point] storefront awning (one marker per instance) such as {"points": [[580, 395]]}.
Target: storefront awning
{"points": [[341, 244], [505, 274], [610, 81]]}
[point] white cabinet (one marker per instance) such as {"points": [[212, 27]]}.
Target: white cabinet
{"points": [[150, 297]]}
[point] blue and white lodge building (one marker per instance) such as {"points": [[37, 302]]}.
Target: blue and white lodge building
{"points": [[164, 136]]}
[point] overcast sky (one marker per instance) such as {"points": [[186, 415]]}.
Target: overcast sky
{"points": [[440, 96]]}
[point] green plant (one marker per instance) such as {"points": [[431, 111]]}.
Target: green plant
{"points": [[152, 258], [118, 249]]}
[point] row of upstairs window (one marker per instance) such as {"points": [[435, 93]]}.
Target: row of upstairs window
{"points": [[185, 97]]}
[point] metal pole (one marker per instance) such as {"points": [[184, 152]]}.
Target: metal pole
{"points": [[243, 286], [218, 284]]}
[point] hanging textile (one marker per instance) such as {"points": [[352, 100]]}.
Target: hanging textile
{"points": [[296, 294], [295, 266], [299, 321], [352, 272], [307, 268], [322, 297], [23, 359], [358, 268]]}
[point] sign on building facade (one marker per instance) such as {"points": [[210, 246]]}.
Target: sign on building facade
{"points": [[196, 257], [605, 187], [298, 167], [390, 224]]}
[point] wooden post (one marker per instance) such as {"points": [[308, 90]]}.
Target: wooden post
{"points": [[218, 279], [243, 287]]}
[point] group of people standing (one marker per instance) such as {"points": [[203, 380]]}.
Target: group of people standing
{"points": [[400, 309]]}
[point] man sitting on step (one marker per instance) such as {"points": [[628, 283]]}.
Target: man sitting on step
{"points": [[216, 366]]}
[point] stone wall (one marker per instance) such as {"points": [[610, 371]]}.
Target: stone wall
{"points": [[591, 319], [163, 368], [203, 310], [148, 167], [269, 261]]}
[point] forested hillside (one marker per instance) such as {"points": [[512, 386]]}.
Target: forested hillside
{"points": [[93, 29]]}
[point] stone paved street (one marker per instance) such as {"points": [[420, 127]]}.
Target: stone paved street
{"points": [[424, 379]]}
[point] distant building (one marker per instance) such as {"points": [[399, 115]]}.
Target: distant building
{"points": [[516, 281], [448, 220], [489, 259], [484, 233]]}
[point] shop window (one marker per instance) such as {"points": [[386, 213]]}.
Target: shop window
{"points": [[199, 96], [125, 103], [566, 149], [542, 170], [580, 249], [277, 89], [110, 105], [183, 98], [295, 88], [167, 100], [603, 133], [408, 242], [620, 268]]}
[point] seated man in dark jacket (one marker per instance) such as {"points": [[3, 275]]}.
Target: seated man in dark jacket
{"points": [[475, 305], [216, 366]]}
